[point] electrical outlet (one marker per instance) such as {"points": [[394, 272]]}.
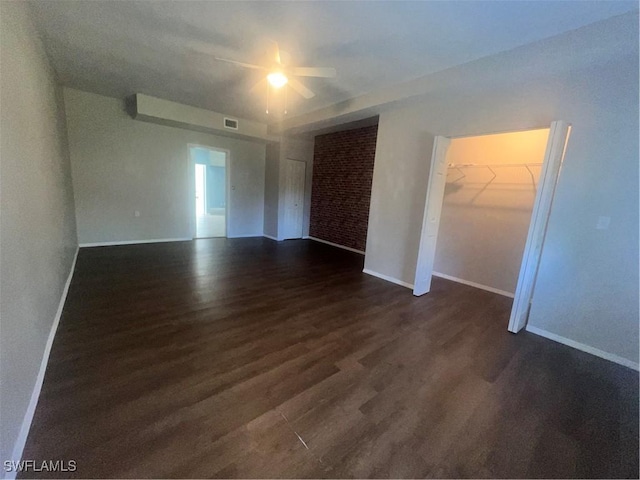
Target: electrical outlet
{"points": [[136, 213]]}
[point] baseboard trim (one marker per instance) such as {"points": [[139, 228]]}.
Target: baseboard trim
{"points": [[133, 242], [388, 278], [581, 346], [270, 237], [315, 239], [18, 447], [474, 284], [251, 235]]}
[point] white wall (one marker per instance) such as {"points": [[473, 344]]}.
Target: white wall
{"points": [[37, 225], [121, 165], [587, 286], [271, 190], [485, 219]]}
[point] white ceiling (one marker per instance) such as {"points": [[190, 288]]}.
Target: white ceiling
{"points": [[166, 48]]}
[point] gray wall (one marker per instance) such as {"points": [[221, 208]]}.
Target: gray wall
{"points": [[587, 288], [121, 165], [37, 225]]}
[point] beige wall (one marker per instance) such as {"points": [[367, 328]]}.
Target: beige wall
{"points": [[37, 225], [121, 165], [398, 192], [485, 219], [587, 287]]}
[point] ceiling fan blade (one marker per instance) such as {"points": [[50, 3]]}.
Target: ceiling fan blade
{"points": [[301, 89], [324, 72], [240, 64], [274, 52]]}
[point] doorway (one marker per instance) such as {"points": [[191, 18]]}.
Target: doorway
{"points": [[210, 192], [495, 191], [295, 174]]}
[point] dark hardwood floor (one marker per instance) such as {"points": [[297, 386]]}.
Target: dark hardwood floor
{"points": [[251, 358]]}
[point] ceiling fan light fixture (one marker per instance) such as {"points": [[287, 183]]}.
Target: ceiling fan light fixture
{"points": [[277, 79]]}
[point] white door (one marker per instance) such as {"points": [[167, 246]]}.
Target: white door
{"points": [[293, 198], [556, 145], [431, 219], [201, 185]]}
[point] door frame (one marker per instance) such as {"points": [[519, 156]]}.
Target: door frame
{"points": [[557, 141], [551, 167], [304, 190], [191, 187]]}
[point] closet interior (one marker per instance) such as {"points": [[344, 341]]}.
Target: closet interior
{"points": [[489, 195]]}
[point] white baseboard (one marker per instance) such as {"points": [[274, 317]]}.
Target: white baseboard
{"points": [[581, 346], [388, 278], [134, 242], [334, 244], [270, 237], [35, 394], [251, 235], [474, 284]]}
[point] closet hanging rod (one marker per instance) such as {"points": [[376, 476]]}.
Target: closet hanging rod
{"points": [[485, 165]]}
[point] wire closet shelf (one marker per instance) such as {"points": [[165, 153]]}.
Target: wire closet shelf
{"points": [[490, 166]]}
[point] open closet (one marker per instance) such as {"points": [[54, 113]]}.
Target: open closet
{"points": [[488, 202], [489, 195]]}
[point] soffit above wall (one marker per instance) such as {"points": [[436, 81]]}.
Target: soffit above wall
{"points": [[596, 44]]}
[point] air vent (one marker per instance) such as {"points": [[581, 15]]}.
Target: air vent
{"points": [[230, 123]]}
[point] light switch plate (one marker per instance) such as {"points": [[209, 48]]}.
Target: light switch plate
{"points": [[603, 223]]}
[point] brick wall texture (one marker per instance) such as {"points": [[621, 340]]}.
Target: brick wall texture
{"points": [[341, 188]]}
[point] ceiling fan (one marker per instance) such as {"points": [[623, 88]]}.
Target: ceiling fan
{"points": [[278, 74]]}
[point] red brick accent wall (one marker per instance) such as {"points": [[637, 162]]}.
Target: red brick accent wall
{"points": [[341, 189]]}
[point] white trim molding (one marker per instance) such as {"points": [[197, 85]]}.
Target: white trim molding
{"points": [[315, 239], [387, 278], [249, 235], [474, 284], [581, 346], [35, 394], [133, 242], [270, 237]]}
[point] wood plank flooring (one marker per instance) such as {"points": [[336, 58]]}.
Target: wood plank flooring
{"points": [[255, 359]]}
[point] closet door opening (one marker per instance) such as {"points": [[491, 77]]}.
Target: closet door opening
{"points": [[295, 174], [487, 207]]}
